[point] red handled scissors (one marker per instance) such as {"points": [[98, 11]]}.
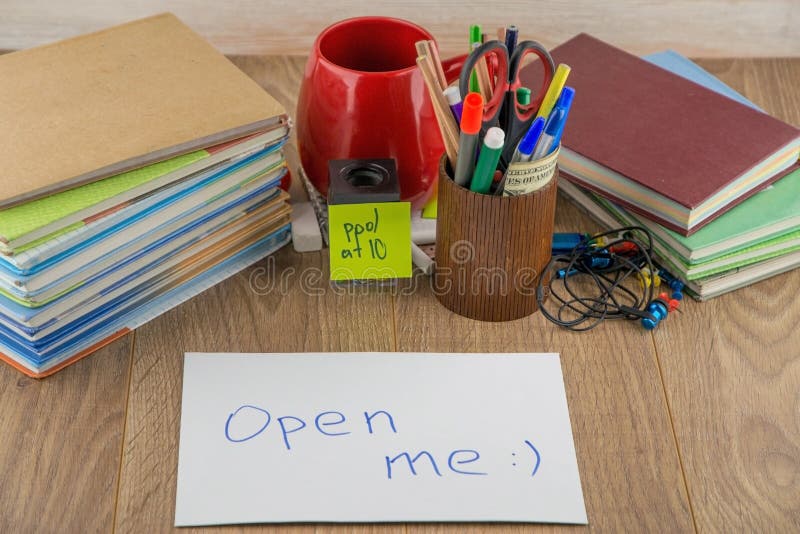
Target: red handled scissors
{"points": [[502, 108]]}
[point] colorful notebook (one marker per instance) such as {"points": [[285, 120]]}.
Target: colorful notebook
{"points": [[766, 216], [721, 256], [231, 234], [740, 256], [703, 288], [140, 167], [153, 259], [180, 202], [661, 145], [183, 287], [26, 226], [118, 251], [96, 105]]}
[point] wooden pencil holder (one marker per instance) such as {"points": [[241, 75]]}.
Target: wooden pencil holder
{"points": [[491, 250]]}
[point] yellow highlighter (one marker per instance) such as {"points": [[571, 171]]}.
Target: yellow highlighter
{"points": [[556, 85]]}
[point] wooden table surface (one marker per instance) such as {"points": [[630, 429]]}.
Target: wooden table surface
{"points": [[693, 427]]}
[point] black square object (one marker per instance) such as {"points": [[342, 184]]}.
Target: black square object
{"points": [[355, 181]]}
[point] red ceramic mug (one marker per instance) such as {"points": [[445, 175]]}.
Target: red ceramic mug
{"points": [[364, 97]]}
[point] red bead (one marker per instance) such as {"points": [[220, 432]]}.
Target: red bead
{"points": [[624, 248]]}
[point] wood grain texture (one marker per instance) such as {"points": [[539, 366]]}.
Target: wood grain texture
{"points": [[60, 444], [731, 368], [490, 249], [628, 463], [722, 28]]}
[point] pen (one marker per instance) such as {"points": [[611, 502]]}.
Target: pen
{"points": [[453, 97], [556, 85], [525, 148], [555, 125], [474, 35], [565, 103], [492, 147], [511, 39], [474, 40], [471, 117]]}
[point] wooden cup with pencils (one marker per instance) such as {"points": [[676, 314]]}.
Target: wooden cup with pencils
{"points": [[497, 187], [490, 249]]}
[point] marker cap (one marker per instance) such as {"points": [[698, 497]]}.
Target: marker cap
{"points": [[523, 96], [565, 99], [561, 111], [559, 114], [453, 95], [528, 142], [475, 34], [495, 138], [472, 114]]}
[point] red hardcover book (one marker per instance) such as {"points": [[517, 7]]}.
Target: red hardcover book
{"points": [[660, 144]]}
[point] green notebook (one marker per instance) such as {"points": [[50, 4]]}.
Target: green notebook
{"points": [[745, 255], [25, 218], [766, 215], [740, 262]]}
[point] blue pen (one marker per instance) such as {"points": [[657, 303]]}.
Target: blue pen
{"points": [[555, 124], [511, 39], [525, 147]]}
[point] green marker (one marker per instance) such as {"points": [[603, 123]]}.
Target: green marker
{"points": [[474, 40], [474, 34], [487, 160]]}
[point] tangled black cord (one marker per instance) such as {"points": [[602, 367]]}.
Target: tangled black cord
{"points": [[588, 283]]}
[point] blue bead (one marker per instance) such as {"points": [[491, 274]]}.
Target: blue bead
{"points": [[658, 312], [676, 285], [648, 323]]}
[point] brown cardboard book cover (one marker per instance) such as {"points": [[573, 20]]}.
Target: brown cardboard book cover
{"points": [[664, 132], [86, 108]]}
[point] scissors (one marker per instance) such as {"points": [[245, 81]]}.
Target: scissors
{"points": [[502, 108]]}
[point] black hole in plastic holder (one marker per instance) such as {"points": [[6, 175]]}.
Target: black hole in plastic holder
{"points": [[365, 176]]}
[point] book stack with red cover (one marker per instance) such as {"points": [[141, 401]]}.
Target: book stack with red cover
{"points": [[663, 148]]}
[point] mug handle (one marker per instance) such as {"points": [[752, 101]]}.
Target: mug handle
{"points": [[452, 67]]}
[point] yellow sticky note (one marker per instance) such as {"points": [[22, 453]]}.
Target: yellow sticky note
{"points": [[430, 209], [370, 241]]}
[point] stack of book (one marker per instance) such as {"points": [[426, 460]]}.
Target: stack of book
{"points": [[140, 167], [664, 145]]}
